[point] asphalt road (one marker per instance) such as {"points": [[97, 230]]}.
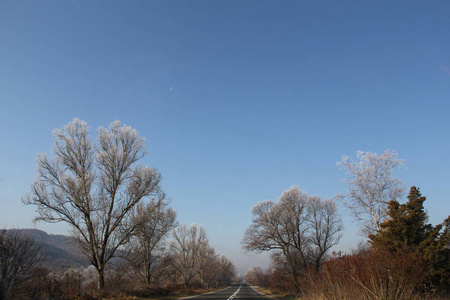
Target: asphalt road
{"points": [[233, 292]]}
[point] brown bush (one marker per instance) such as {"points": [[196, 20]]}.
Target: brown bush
{"points": [[280, 282], [368, 275]]}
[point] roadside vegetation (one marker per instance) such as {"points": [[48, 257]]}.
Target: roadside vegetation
{"points": [[404, 256]]}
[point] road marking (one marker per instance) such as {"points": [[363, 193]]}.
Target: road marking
{"points": [[193, 296], [235, 293]]}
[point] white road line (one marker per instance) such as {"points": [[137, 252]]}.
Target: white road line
{"points": [[193, 296], [235, 293]]}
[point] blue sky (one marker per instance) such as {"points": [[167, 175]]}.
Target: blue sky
{"points": [[237, 100]]}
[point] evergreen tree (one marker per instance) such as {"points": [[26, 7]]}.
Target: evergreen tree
{"points": [[405, 227], [406, 230]]}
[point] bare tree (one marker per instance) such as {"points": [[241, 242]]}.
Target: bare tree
{"points": [[325, 225], [19, 256], [187, 250], [209, 267], [371, 186], [147, 247], [227, 271], [215, 269], [298, 229], [256, 276], [94, 187]]}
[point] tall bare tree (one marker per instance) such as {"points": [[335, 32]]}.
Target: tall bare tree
{"points": [[371, 186], [147, 247], [18, 257], [298, 229], [94, 186]]}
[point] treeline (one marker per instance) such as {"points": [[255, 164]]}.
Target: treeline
{"points": [[404, 257], [185, 262], [182, 263], [116, 209]]}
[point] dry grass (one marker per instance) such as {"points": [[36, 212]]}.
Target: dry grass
{"points": [[267, 292], [366, 276], [174, 295]]}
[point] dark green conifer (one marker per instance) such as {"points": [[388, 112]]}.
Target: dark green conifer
{"points": [[406, 230], [405, 226]]}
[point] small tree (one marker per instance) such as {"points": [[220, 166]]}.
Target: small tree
{"points": [[19, 256], [405, 226], [94, 187], [209, 267], [227, 271], [188, 248], [325, 225], [147, 247], [298, 229], [371, 186], [256, 276]]}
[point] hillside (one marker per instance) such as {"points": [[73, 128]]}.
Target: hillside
{"points": [[61, 250]]}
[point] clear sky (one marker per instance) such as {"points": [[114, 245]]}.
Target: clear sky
{"points": [[237, 100]]}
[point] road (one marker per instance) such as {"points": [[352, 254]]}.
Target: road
{"points": [[233, 292]]}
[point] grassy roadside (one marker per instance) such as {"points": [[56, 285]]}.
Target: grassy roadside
{"points": [[175, 295], [276, 296], [181, 294]]}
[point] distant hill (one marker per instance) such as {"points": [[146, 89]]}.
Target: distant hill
{"points": [[61, 250]]}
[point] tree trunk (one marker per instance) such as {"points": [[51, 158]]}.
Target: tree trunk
{"points": [[149, 277], [148, 271], [101, 280], [293, 268]]}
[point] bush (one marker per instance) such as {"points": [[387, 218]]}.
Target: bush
{"points": [[367, 275]]}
